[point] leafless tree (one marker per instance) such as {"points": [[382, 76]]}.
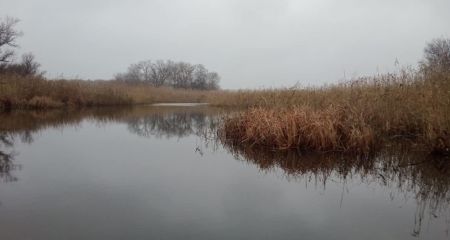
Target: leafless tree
{"points": [[437, 55], [212, 81], [132, 76], [182, 75], [161, 72], [29, 66], [145, 71], [171, 74], [8, 36], [140, 72], [26, 67]]}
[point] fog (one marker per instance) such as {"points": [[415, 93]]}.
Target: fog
{"points": [[251, 43]]}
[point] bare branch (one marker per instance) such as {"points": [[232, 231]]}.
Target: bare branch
{"points": [[8, 36]]}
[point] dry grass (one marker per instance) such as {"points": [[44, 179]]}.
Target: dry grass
{"points": [[351, 117], [355, 116], [330, 129], [142, 94], [36, 93]]}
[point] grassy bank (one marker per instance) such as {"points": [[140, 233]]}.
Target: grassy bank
{"points": [[357, 116], [17, 92]]}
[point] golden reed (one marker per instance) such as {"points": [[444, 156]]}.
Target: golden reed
{"points": [[356, 116]]}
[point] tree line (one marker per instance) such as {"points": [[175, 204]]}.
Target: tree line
{"points": [[159, 73], [171, 74]]}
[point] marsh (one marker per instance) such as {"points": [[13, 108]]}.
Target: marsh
{"points": [[159, 172], [225, 119]]}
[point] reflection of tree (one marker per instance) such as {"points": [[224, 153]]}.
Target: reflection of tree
{"points": [[398, 169], [144, 121], [6, 159], [170, 124]]}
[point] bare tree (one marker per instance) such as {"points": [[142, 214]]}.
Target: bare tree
{"points": [[26, 67], [212, 82], [145, 71], [8, 36], [140, 72], [161, 72], [134, 74], [200, 77], [169, 73], [437, 55], [29, 66], [182, 75]]}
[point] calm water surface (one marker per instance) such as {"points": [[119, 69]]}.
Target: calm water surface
{"points": [[157, 172]]}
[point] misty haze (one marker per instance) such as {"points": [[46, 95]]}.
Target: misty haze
{"points": [[227, 119]]}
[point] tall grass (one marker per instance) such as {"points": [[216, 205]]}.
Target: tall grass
{"points": [[355, 116], [37, 93], [330, 129]]}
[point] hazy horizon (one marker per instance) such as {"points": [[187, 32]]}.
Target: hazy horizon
{"points": [[251, 44]]}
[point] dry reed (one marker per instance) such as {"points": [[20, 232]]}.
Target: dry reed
{"points": [[18, 92], [330, 129], [355, 116]]}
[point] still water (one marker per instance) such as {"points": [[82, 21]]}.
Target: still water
{"points": [[159, 172]]}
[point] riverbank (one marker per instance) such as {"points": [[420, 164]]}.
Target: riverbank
{"points": [[18, 92], [356, 116]]}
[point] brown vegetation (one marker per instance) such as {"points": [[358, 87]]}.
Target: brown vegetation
{"points": [[35, 92], [355, 116], [22, 84], [350, 117], [330, 129]]}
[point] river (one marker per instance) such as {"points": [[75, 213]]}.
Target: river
{"points": [[160, 172]]}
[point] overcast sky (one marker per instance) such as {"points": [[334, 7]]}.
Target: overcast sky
{"points": [[250, 43]]}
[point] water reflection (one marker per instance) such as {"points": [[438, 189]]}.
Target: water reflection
{"points": [[143, 121], [172, 124], [399, 170], [6, 159]]}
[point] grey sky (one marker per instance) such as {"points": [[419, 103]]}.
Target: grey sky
{"points": [[250, 43]]}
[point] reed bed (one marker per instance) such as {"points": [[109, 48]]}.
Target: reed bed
{"points": [[356, 116], [143, 94], [330, 129], [17, 92]]}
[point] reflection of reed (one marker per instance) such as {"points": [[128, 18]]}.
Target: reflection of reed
{"points": [[427, 179], [396, 168]]}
